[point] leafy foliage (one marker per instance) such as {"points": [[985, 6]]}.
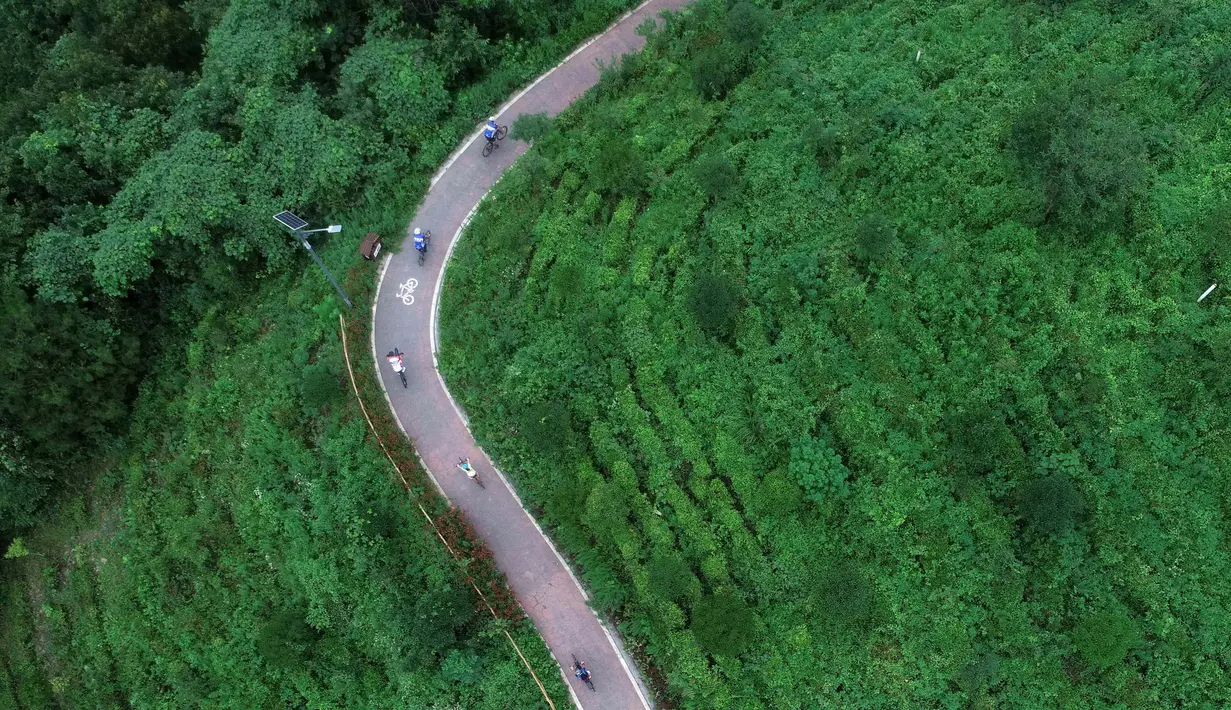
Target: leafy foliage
{"points": [[1105, 638], [723, 624], [1051, 504], [927, 387], [715, 302]]}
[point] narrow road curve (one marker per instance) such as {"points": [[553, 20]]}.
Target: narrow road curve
{"points": [[404, 317]]}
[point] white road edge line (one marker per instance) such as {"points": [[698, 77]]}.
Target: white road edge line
{"points": [[615, 645]]}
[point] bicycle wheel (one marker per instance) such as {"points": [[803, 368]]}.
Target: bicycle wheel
{"points": [[480, 482], [403, 376], [502, 132], [487, 149]]}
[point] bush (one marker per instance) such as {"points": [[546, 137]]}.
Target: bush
{"points": [[619, 169], [875, 238], [746, 25], [713, 73], [1089, 156], [718, 177], [714, 303], [825, 142], [844, 598], [547, 426], [1051, 505], [319, 385], [670, 576], [286, 640], [723, 624], [531, 127], [1105, 638], [778, 495]]}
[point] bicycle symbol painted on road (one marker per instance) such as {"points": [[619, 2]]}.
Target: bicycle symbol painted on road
{"points": [[406, 291]]}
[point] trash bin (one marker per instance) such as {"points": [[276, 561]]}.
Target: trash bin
{"points": [[369, 248]]}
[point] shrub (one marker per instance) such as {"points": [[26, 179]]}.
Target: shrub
{"points": [[547, 426], [1051, 505], [778, 495], [1217, 75], [875, 237], [531, 127], [619, 169], [844, 597], [723, 624], [1105, 638], [319, 386], [713, 73], [286, 640], [718, 177], [670, 576], [567, 281], [825, 142], [1089, 156], [746, 25], [714, 302]]}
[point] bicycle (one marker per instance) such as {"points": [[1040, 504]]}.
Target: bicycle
{"points": [[467, 469], [427, 239], [395, 361], [584, 675], [501, 132]]}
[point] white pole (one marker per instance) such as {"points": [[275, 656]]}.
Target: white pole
{"points": [[1208, 291]]}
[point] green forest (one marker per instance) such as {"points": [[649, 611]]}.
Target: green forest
{"points": [[853, 350], [192, 511]]}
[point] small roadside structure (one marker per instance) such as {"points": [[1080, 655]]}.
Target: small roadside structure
{"points": [[369, 248]]}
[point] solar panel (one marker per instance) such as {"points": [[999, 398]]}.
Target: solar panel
{"points": [[291, 220]]}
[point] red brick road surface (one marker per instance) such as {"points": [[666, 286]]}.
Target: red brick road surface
{"points": [[404, 318]]}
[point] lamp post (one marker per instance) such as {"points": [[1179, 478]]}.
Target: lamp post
{"points": [[296, 224]]}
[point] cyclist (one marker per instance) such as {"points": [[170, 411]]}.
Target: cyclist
{"points": [[489, 131], [420, 240], [395, 361], [464, 464], [580, 670]]}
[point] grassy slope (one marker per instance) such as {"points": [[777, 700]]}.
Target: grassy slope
{"points": [[249, 501], [930, 356], [255, 500]]}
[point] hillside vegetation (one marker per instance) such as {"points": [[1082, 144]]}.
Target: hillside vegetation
{"points": [[853, 350], [253, 550], [147, 144], [192, 512]]}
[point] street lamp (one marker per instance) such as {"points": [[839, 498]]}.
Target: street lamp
{"points": [[296, 224]]}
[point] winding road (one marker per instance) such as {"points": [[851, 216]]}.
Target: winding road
{"points": [[404, 316]]}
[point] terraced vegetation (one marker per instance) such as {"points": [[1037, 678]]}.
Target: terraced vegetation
{"points": [[853, 350]]}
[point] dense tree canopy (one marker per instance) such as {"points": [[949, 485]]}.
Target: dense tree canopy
{"points": [[147, 144], [233, 538], [889, 335]]}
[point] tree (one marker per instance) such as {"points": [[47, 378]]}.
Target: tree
{"points": [[715, 302], [747, 24], [713, 73], [670, 576], [718, 177], [724, 624], [286, 641], [1105, 638], [844, 598], [875, 237], [530, 127], [1051, 505], [548, 426], [1088, 155], [619, 169]]}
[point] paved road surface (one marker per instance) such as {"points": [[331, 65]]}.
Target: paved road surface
{"points": [[538, 575]]}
